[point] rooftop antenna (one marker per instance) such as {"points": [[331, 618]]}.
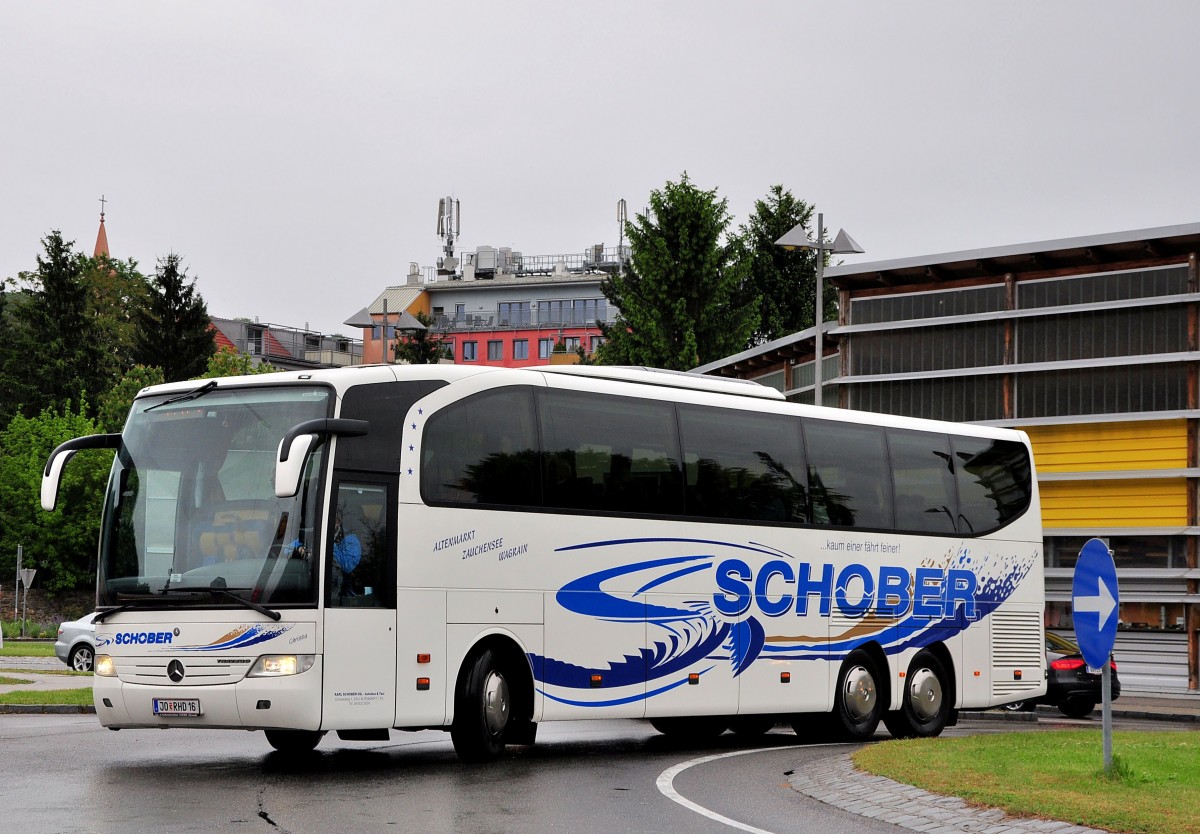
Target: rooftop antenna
{"points": [[621, 217], [449, 223]]}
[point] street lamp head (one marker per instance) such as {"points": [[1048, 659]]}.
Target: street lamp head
{"points": [[843, 244], [795, 239]]}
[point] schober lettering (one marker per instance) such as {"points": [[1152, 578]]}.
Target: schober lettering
{"points": [[780, 587], [130, 638]]}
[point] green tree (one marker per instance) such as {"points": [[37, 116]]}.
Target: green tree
{"points": [[62, 544], [115, 405], [228, 362], [116, 293], [784, 282], [421, 347], [174, 331], [62, 356], [683, 301]]}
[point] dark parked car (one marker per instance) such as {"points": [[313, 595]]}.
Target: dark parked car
{"points": [[76, 645], [1070, 686]]}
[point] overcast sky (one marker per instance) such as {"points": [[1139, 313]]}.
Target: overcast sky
{"points": [[294, 153]]}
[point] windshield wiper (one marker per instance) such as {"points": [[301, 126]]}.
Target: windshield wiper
{"points": [[191, 595], [133, 602], [194, 394], [261, 609]]}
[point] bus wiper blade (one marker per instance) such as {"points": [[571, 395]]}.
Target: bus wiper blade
{"points": [[126, 604], [194, 394], [261, 609]]}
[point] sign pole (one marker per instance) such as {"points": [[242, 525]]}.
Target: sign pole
{"points": [[1094, 605], [1106, 721], [17, 582]]}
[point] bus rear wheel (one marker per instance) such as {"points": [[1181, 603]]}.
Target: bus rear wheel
{"points": [[857, 706], [482, 709], [294, 741], [925, 708]]}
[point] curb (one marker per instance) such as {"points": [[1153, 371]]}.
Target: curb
{"points": [[45, 709]]}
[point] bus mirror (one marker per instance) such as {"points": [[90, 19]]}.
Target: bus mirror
{"points": [[289, 465], [302, 439], [52, 474]]}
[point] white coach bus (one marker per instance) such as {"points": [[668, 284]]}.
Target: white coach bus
{"points": [[482, 549]]}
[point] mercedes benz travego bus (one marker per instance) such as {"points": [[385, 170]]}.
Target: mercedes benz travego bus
{"points": [[479, 549]]}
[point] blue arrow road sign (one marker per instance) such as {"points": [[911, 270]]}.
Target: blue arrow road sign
{"points": [[1094, 603]]}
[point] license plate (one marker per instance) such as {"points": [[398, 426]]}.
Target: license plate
{"points": [[177, 706], [1091, 670]]}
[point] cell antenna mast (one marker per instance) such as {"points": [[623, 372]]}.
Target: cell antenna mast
{"points": [[449, 223], [621, 219]]}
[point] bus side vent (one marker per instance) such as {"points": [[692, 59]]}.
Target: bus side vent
{"points": [[1016, 653]]}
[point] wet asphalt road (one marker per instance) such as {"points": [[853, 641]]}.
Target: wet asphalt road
{"points": [[67, 774]]}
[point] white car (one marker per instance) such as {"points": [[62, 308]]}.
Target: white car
{"points": [[76, 644]]}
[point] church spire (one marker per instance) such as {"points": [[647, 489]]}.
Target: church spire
{"points": [[101, 236]]}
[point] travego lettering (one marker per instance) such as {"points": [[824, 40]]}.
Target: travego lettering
{"points": [[129, 638], [781, 587]]}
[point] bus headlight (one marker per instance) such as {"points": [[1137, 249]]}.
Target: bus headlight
{"points": [[278, 665], [104, 666]]}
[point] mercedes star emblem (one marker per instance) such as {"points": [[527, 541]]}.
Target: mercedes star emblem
{"points": [[175, 671]]}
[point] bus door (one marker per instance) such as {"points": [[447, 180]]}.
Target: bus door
{"points": [[359, 687]]}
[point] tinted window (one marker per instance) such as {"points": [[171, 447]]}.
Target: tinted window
{"points": [[739, 464], [614, 454], [847, 466], [383, 405], [923, 475], [994, 482], [483, 450]]}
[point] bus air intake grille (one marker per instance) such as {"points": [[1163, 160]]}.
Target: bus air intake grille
{"points": [[1016, 647]]}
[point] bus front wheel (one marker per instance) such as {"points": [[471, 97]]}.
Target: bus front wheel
{"points": [[857, 707], [482, 709], [294, 741], [925, 707]]}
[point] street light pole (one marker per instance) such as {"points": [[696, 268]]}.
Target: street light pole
{"points": [[843, 244], [819, 313]]}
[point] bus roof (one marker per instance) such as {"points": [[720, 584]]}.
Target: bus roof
{"points": [[669, 379]]}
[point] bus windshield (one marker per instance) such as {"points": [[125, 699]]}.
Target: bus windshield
{"points": [[191, 515]]}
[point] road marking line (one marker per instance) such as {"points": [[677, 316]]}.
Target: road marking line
{"points": [[667, 789]]}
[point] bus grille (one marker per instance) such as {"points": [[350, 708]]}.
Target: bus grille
{"points": [[197, 671], [1016, 646]]}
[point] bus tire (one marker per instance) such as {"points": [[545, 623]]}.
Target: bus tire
{"points": [[857, 706], [294, 741], [482, 709], [925, 706], [693, 728]]}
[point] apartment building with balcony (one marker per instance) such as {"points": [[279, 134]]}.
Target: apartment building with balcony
{"points": [[285, 347], [501, 308]]}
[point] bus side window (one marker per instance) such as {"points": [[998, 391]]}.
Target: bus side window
{"points": [[743, 465], [994, 482], [847, 474], [923, 475], [483, 450]]}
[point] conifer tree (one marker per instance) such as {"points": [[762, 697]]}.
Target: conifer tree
{"points": [[174, 330], [683, 300]]}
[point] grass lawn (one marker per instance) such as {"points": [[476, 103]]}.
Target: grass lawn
{"points": [[14, 648], [7, 681], [73, 697], [1154, 787]]}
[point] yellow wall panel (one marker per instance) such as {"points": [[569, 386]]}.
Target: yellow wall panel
{"points": [[1135, 503], [1093, 447]]}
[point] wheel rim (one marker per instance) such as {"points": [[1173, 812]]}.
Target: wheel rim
{"points": [[925, 694], [495, 703], [859, 695], [83, 660]]}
